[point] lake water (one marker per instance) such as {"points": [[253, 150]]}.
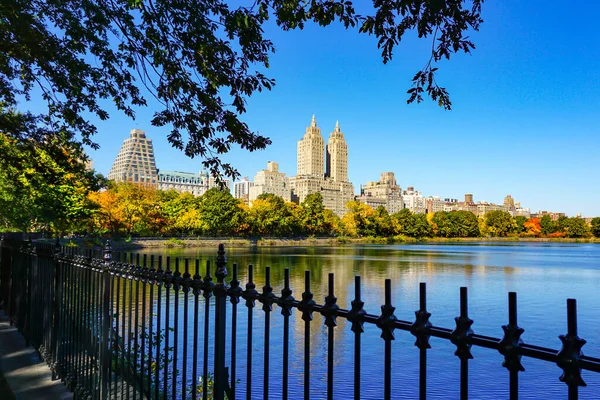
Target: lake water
{"points": [[543, 274]]}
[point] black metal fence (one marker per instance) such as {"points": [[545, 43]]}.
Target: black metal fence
{"points": [[84, 312]]}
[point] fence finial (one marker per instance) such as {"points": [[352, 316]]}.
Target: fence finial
{"points": [[107, 252], [221, 271]]}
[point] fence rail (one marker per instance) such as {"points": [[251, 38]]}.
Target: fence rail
{"points": [[77, 308]]}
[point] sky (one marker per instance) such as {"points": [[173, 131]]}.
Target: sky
{"points": [[525, 117]]}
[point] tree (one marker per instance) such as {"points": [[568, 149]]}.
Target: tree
{"points": [[465, 224], [532, 227], [576, 228], [271, 215], [403, 220], [595, 227], [499, 223], [312, 215], [218, 211], [547, 226], [359, 220], [43, 185], [200, 60], [519, 223]]}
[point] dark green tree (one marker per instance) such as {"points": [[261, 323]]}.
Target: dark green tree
{"points": [[200, 60], [419, 227], [547, 225], [519, 221], [595, 227], [465, 224], [404, 221], [576, 228], [219, 211], [384, 226], [43, 184], [499, 223]]}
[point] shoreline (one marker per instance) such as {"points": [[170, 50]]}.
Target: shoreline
{"points": [[308, 241]]}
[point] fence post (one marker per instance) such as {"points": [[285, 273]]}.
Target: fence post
{"points": [[220, 291], [106, 322], [56, 300]]}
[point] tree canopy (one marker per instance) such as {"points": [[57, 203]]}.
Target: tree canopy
{"points": [[200, 60]]}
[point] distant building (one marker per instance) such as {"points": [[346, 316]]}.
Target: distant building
{"points": [[272, 181], [450, 205], [196, 184], [241, 190], [385, 193], [434, 204], [135, 161], [522, 212], [413, 200], [319, 174], [509, 204], [483, 207]]}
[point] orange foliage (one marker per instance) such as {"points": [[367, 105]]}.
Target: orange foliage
{"points": [[556, 235], [532, 226]]}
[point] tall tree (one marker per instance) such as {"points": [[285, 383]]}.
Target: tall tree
{"points": [[499, 223], [200, 60], [595, 227], [218, 212], [43, 184]]}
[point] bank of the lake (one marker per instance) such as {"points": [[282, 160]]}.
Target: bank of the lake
{"points": [[142, 243]]}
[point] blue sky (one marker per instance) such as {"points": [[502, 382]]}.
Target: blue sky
{"points": [[525, 118]]}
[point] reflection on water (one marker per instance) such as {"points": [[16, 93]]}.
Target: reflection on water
{"points": [[543, 274]]}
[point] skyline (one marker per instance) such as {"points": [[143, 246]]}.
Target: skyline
{"points": [[524, 118]]}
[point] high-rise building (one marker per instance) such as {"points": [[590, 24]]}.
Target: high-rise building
{"points": [[509, 203], [135, 161], [413, 200], [385, 192], [311, 151], [434, 204], [312, 178], [337, 156], [241, 190], [469, 198], [196, 184], [270, 180]]}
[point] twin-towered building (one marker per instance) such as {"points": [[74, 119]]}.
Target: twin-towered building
{"points": [[321, 169]]}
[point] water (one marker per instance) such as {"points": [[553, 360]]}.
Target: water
{"points": [[543, 274]]}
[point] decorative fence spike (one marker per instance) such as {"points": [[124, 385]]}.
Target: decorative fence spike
{"points": [[511, 342], [570, 355], [462, 333], [421, 328]]}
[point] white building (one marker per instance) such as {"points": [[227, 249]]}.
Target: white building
{"points": [[270, 180], [241, 190], [196, 184], [135, 161], [413, 200]]}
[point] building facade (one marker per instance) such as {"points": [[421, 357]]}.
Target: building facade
{"points": [[241, 190], [272, 181], [135, 161], [315, 176], [433, 204], [386, 193], [188, 182], [413, 200]]}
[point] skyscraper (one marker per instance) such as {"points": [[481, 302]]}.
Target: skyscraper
{"points": [[312, 178], [135, 161], [311, 151], [337, 156]]}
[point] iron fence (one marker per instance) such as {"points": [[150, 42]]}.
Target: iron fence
{"points": [[83, 311]]}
